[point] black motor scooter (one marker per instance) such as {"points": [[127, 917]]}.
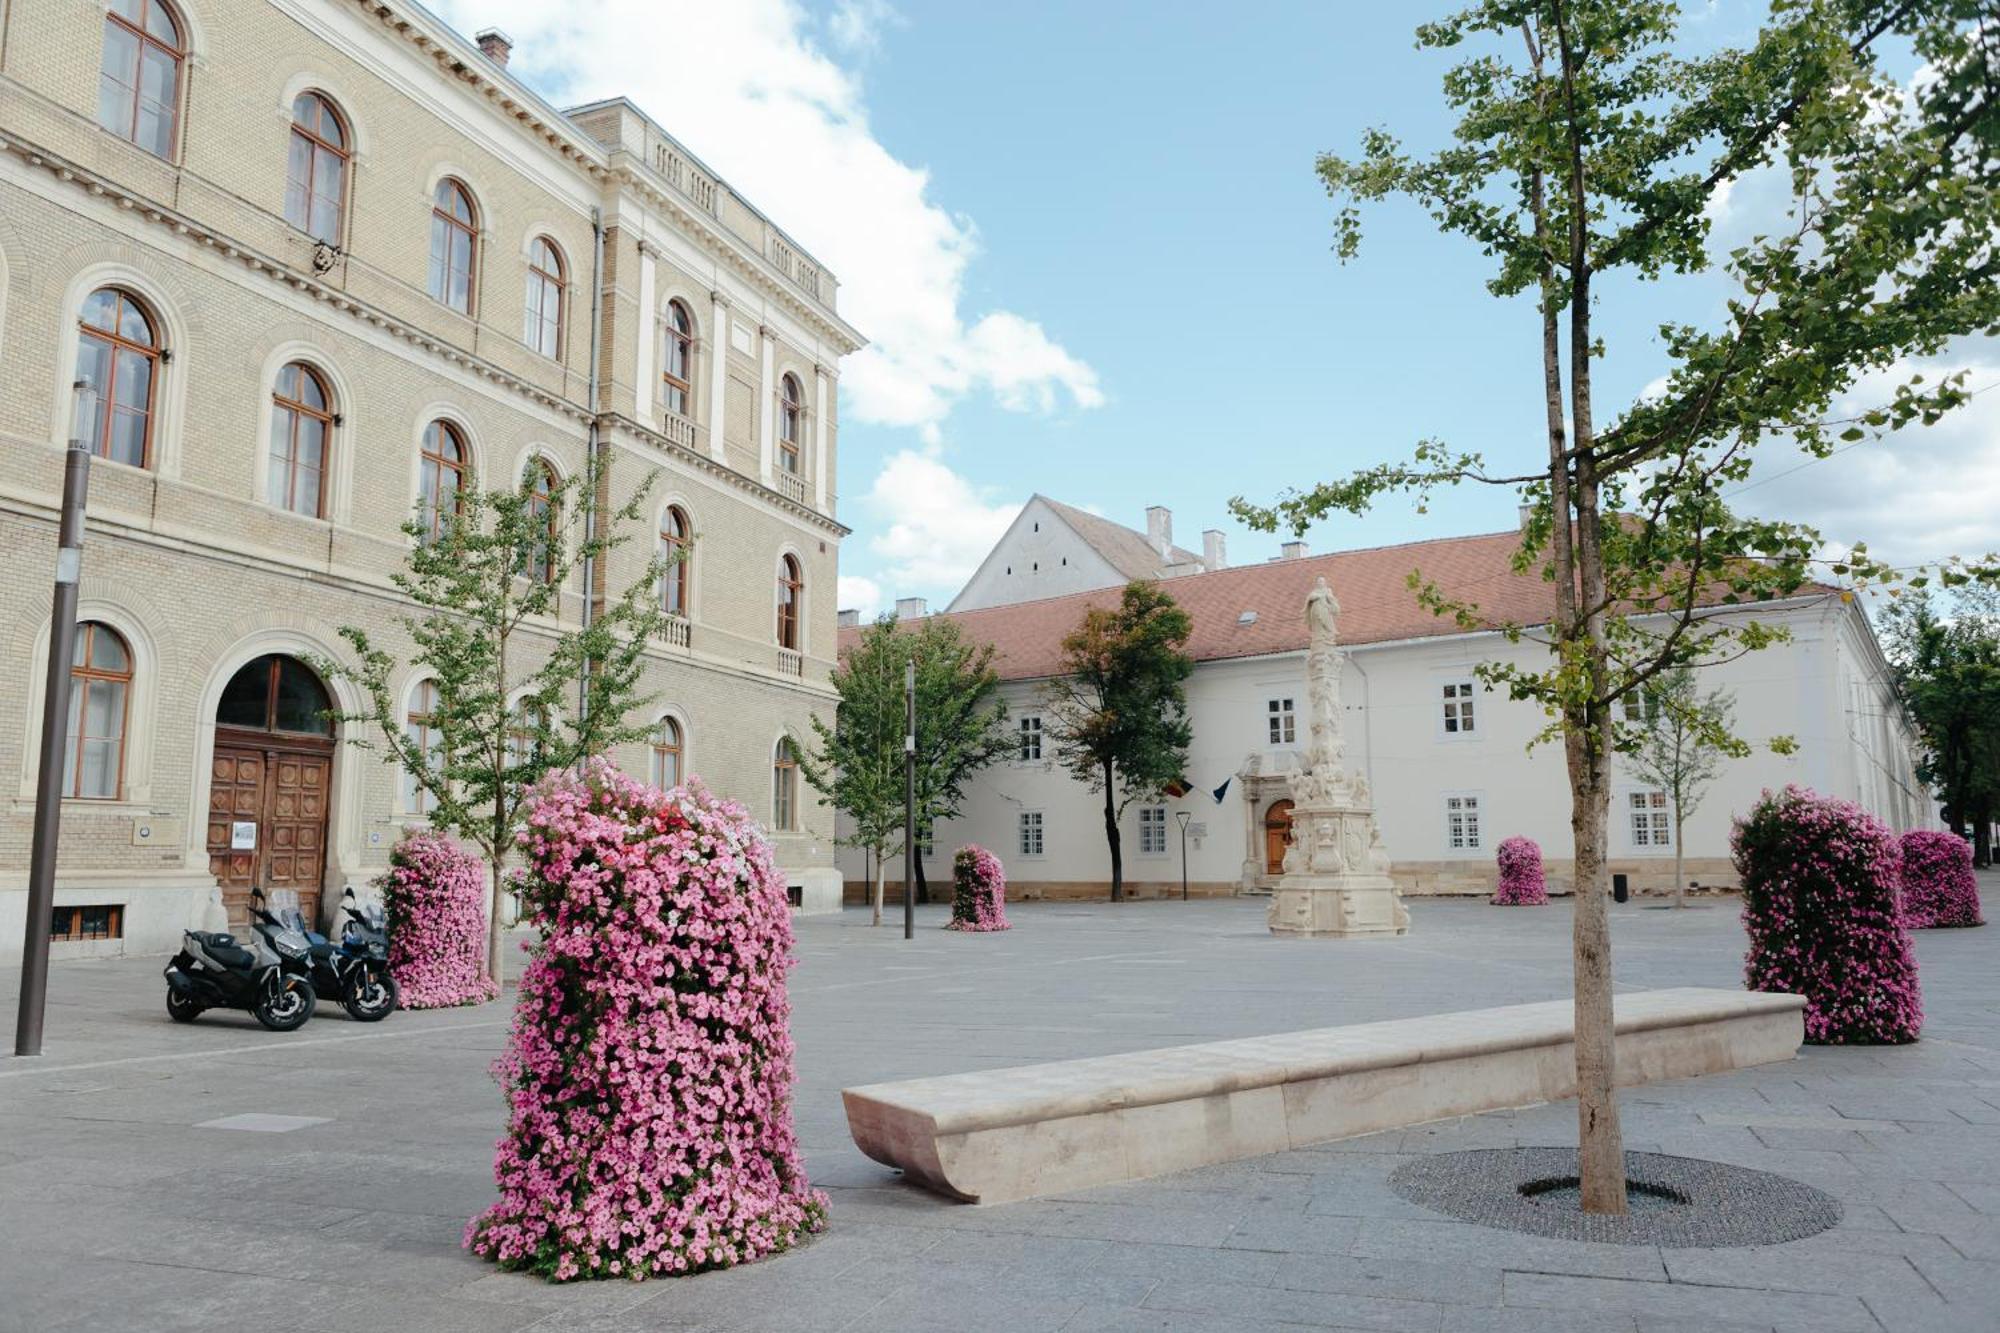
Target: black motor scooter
{"points": [[354, 972], [272, 978]]}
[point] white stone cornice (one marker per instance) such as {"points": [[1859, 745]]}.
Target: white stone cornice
{"points": [[721, 298], [299, 280], [711, 467]]}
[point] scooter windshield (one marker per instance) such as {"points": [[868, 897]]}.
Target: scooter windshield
{"points": [[284, 905]]}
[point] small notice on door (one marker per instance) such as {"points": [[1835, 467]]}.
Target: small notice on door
{"points": [[243, 835]]}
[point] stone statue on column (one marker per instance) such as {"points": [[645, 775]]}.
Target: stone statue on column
{"points": [[1336, 880]]}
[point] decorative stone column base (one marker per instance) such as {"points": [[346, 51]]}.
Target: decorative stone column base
{"points": [[1337, 907]]}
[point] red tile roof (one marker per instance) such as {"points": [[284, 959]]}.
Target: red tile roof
{"points": [[1376, 603]]}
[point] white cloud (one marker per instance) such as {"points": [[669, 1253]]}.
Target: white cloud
{"points": [[932, 528], [1918, 495], [860, 594], [747, 87]]}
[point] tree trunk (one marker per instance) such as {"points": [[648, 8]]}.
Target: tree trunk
{"points": [[1111, 838], [1982, 837], [881, 874], [1680, 885], [923, 885], [496, 933]]}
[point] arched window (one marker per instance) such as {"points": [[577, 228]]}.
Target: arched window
{"points": [[677, 371], [785, 788], [301, 430], [527, 729], [316, 176], [99, 694], [276, 693], [139, 80], [791, 594], [118, 360], [421, 725], [539, 482], [791, 425], [677, 548], [667, 754], [443, 469], [542, 323], [454, 245]]}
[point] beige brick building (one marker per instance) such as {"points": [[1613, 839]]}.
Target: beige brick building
{"points": [[319, 259]]}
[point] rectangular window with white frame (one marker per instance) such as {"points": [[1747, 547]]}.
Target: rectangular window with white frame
{"points": [[1281, 722], [1030, 824], [1462, 832], [1652, 819], [1457, 718], [1640, 707], [1152, 830], [1031, 738]]}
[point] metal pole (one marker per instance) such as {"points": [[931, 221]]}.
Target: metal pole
{"points": [[55, 718], [910, 799], [1181, 817]]}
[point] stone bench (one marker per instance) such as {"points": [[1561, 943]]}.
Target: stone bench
{"points": [[1007, 1134]]}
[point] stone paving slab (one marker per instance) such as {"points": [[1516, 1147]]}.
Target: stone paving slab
{"points": [[354, 1223]]}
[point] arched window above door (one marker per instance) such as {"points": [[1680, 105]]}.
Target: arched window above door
{"points": [[276, 693]]}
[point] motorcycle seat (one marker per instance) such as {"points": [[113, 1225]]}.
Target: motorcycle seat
{"points": [[223, 948]]}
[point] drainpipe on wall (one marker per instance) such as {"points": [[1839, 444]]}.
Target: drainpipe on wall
{"points": [[594, 449], [1367, 729]]}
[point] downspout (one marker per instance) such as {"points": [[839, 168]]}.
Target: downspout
{"points": [[1367, 724], [594, 448]]}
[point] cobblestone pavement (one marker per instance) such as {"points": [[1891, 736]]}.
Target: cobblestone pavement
{"points": [[123, 1207]]}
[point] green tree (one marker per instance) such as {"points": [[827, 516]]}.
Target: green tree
{"points": [[1588, 146], [857, 763], [1947, 669], [1118, 707], [485, 580], [1677, 739]]}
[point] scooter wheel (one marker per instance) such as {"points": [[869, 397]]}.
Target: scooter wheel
{"points": [[288, 1009], [371, 996], [180, 1008]]}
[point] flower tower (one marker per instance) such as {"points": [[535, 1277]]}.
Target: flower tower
{"points": [[1522, 883], [1939, 888], [979, 891], [1820, 905], [434, 898], [649, 1075]]}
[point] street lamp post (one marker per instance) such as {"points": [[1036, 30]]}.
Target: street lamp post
{"points": [[1182, 817], [55, 716], [910, 798]]}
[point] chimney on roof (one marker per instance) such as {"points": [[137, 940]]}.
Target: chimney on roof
{"points": [[911, 608], [1160, 528], [1527, 514], [848, 619], [495, 45], [1212, 555], [1292, 551]]}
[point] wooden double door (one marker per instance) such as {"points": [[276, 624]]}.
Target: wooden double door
{"points": [[268, 801]]}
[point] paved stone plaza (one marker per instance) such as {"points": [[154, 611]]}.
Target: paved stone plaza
{"points": [[159, 1177]]}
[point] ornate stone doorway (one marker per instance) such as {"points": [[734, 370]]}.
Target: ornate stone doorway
{"points": [[1277, 836]]}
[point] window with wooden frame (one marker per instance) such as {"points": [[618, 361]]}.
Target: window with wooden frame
{"points": [[677, 549], [139, 78], [441, 478], [548, 285], [454, 245], [118, 360], [1456, 718], [667, 748], [785, 788], [677, 361], [527, 727], [539, 482], [420, 724], [791, 595], [791, 426], [100, 696], [316, 172], [101, 921], [1281, 722], [301, 435], [1031, 738]]}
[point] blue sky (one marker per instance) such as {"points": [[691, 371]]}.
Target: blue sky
{"points": [[1092, 250]]}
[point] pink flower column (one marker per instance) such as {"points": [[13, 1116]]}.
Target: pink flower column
{"points": [[1820, 905], [434, 896], [1939, 887], [979, 892], [1522, 883], [649, 1074]]}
